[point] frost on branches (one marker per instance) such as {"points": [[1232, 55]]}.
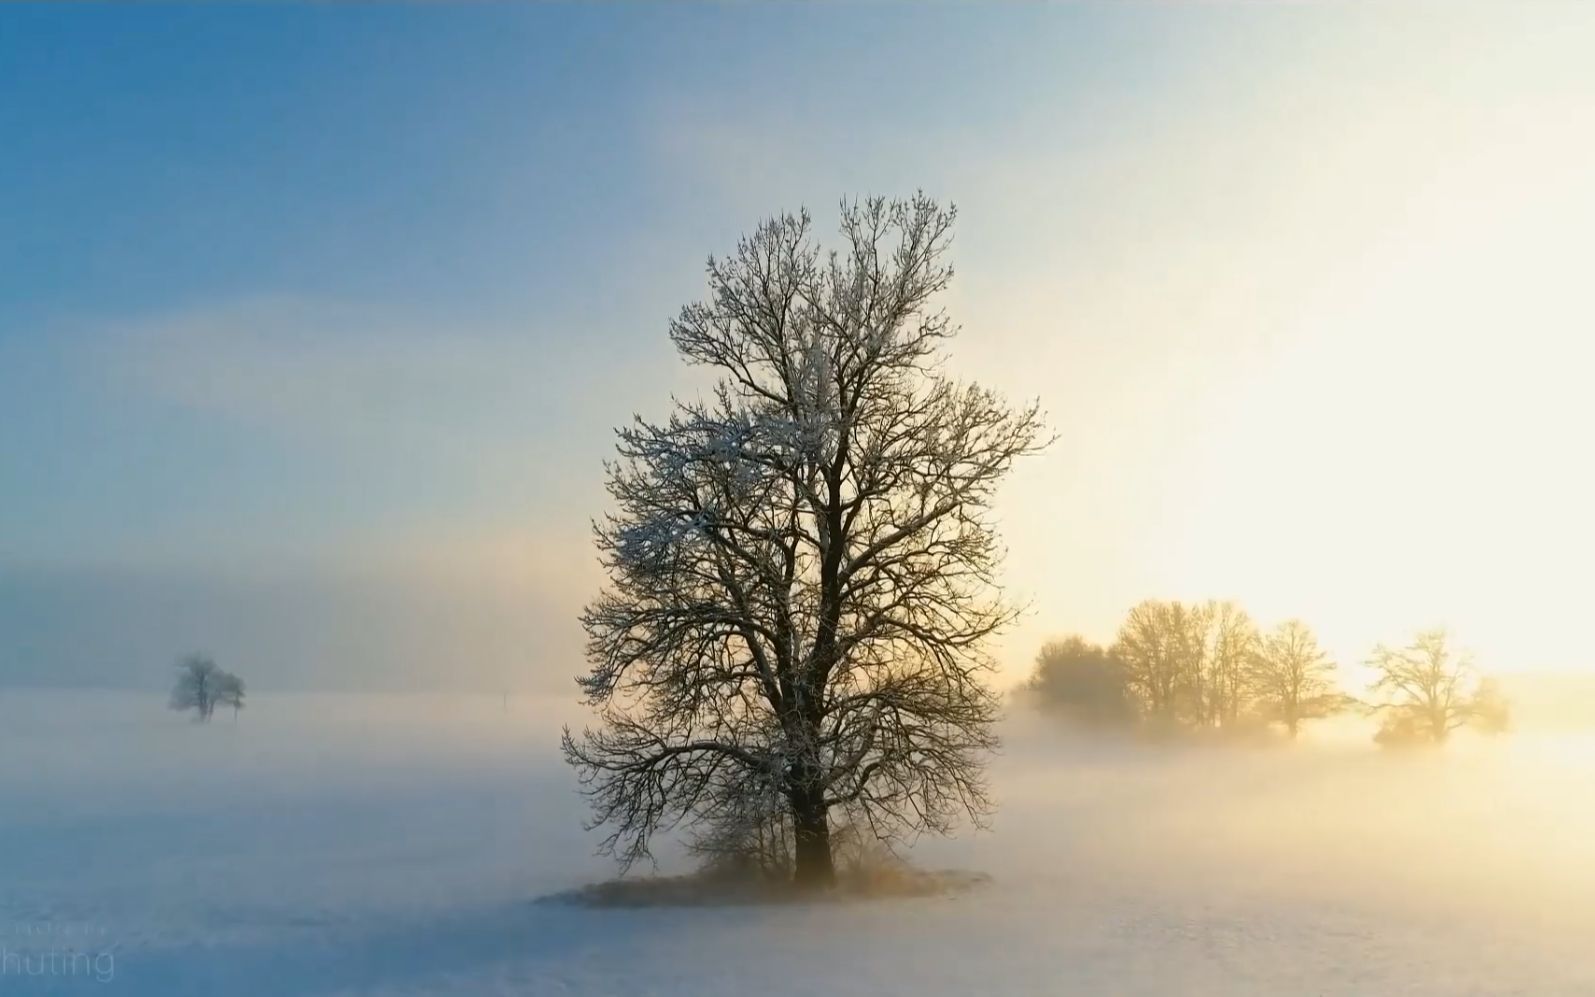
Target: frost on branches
{"points": [[802, 568]]}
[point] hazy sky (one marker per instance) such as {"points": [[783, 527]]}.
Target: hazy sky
{"points": [[314, 321]]}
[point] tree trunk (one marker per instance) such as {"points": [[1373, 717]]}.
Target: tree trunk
{"points": [[814, 869]]}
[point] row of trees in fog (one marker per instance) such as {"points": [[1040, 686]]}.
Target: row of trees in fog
{"points": [[1210, 666], [201, 686]]}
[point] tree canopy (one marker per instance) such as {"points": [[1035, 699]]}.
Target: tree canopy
{"points": [[802, 571], [1426, 690], [201, 686]]}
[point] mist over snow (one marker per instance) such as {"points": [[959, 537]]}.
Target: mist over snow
{"points": [[334, 843], [409, 363]]}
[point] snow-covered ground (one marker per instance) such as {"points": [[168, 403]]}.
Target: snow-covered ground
{"points": [[338, 844]]}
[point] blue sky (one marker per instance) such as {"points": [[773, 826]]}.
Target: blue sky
{"points": [[450, 170], [314, 320]]}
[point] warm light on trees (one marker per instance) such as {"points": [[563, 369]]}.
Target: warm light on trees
{"points": [[1293, 678], [1223, 688], [1081, 680], [1160, 645], [1427, 690]]}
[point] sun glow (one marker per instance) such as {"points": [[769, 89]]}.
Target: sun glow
{"points": [[1413, 455], [1374, 413]]}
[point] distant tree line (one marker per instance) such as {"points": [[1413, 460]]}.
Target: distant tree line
{"points": [[1209, 666], [201, 686]]}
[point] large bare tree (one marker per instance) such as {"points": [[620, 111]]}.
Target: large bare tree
{"points": [[802, 566]]}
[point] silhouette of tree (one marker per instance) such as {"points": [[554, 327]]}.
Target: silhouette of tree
{"points": [[196, 687], [1083, 681], [229, 692], [1160, 645], [1222, 674], [1429, 691], [1293, 678], [802, 568], [1187, 664]]}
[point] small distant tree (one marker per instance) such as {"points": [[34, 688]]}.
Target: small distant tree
{"points": [[1293, 678], [1083, 681], [1428, 690], [229, 692], [1222, 675], [1492, 713], [1160, 646], [198, 679], [1186, 662], [201, 687]]}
